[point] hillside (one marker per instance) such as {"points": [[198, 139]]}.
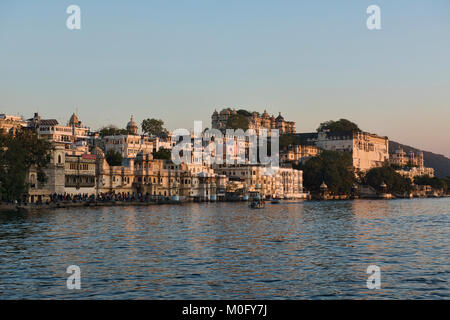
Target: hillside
{"points": [[440, 163]]}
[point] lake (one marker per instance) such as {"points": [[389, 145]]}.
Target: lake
{"points": [[308, 250]]}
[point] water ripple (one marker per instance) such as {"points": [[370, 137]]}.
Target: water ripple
{"points": [[315, 250]]}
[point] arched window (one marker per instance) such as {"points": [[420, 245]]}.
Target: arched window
{"points": [[59, 158], [33, 181]]}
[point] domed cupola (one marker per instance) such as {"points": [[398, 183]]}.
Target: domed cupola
{"points": [[132, 126], [74, 121]]}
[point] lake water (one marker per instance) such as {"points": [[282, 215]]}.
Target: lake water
{"points": [[312, 250]]}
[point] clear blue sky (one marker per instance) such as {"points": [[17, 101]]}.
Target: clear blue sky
{"points": [[178, 60]]}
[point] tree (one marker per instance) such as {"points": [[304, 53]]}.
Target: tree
{"points": [[17, 155], [244, 113], [435, 182], [153, 127], [237, 121], [447, 182], [162, 153], [335, 168], [337, 126], [289, 139], [113, 157], [112, 130], [13, 170], [395, 183]]}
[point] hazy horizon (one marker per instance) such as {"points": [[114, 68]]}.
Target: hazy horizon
{"points": [[178, 61]]}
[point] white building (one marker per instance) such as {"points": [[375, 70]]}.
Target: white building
{"points": [[9, 124], [368, 150], [284, 182], [410, 164], [131, 144], [50, 129]]}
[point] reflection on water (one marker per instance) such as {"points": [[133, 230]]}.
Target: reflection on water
{"points": [[313, 250]]}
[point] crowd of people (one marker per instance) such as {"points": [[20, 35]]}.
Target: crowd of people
{"points": [[102, 197]]}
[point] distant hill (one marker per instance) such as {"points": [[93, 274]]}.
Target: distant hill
{"points": [[440, 163]]}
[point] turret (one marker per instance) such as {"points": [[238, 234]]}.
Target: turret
{"points": [[132, 127]]}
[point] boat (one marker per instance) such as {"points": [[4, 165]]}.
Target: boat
{"points": [[275, 200], [257, 204]]}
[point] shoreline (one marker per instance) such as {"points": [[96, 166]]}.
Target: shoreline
{"points": [[37, 207], [60, 205]]}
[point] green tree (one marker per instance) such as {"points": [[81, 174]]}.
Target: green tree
{"points": [[162, 153], [434, 182], [447, 182], [337, 126], [153, 127], [237, 121], [394, 181], [112, 130], [17, 155], [289, 139], [244, 113], [335, 168], [113, 157]]}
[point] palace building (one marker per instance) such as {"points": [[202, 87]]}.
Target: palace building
{"points": [[186, 180], [10, 124], [285, 182], [51, 130], [411, 164], [129, 145], [255, 121], [91, 174], [298, 153], [403, 159], [368, 150]]}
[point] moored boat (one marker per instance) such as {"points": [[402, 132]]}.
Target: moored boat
{"points": [[275, 200], [257, 204]]}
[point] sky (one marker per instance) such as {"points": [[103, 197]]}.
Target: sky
{"points": [[312, 61]]}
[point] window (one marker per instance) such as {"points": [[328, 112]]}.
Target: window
{"points": [[33, 180]]}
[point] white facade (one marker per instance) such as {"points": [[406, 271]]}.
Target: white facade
{"points": [[284, 182], [128, 145], [368, 150], [9, 124]]}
